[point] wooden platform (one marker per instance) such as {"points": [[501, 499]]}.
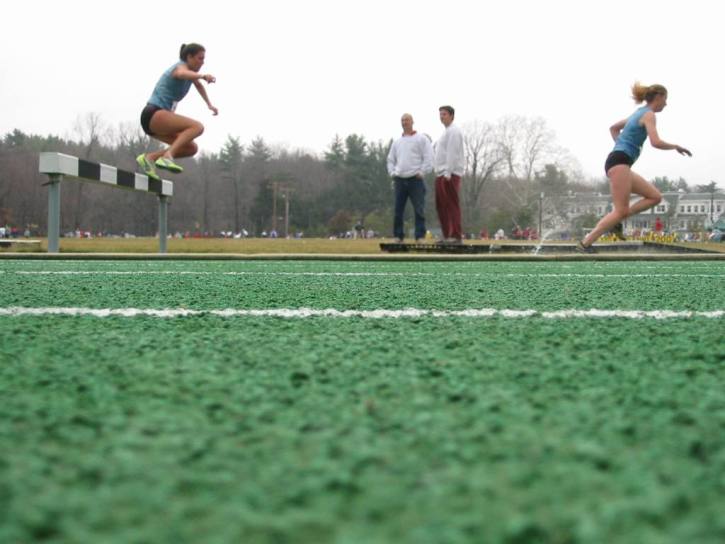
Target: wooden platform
{"points": [[535, 249]]}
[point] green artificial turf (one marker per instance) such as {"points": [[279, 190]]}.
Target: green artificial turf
{"points": [[352, 430]]}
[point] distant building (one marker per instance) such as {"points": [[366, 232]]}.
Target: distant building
{"points": [[578, 204], [678, 211], [693, 210]]}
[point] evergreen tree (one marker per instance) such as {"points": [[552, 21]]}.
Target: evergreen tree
{"points": [[335, 155], [231, 157]]}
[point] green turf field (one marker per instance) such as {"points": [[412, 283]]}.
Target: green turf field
{"points": [[439, 403]]}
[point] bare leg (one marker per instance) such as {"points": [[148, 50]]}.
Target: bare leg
{"points": [[649, 193], [177, 131], [188, 151], [620, 182], [623, 183]]}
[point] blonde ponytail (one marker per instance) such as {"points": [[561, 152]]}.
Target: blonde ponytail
{"points": [[646, 93]]}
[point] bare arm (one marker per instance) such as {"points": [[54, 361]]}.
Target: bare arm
{"points": [[202, 92], [616, 128], [183, 72], [650, 122]]}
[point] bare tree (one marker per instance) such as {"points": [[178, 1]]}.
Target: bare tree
{"points": [[484, 159], [527, 144], [6, 185], [92, 132], [208, 173], [130, 139], [21, 194]]}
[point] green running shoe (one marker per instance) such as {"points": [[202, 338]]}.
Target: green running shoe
{"points": [[147, 167], [168, 164]]}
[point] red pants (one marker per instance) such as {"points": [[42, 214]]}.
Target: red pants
{"points": [[448, 206]]}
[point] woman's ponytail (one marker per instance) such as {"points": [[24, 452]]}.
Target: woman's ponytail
{"points": [[646, 93]]}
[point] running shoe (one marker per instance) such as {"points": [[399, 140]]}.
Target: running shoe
{"points": [[618, 231], [168, 164], [581, 248], [147, 167]]}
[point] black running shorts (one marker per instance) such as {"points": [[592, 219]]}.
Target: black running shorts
{"points": [[146, 115], [615, 158]]}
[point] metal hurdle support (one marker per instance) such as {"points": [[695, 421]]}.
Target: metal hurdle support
{"points": [[58, 166]]}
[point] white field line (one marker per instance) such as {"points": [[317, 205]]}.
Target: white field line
{"points": [[291, 265], [343, 274], [301, 313]]}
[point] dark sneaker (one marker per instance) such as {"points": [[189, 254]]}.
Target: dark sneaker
{"points": [[581, 248], [618, 231]]}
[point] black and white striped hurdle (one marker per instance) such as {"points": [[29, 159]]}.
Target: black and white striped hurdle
{"points": [[58, 165]]}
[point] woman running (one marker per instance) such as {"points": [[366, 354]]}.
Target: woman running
{"points": [[629, 136], [159, 120]]}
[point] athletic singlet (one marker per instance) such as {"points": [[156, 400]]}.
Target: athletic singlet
{"points": [[169, 90], [633, 135]]}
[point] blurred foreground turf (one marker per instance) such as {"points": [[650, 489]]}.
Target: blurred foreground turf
{"points": [[427, 430]]}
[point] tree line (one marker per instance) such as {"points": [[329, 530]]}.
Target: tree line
{"points": [[249, 186]]}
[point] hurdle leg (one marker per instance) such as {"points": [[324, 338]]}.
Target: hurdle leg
{"points": [[54, 213], [163, 214]]}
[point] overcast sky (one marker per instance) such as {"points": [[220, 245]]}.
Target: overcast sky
{"points": [[298, 72]]}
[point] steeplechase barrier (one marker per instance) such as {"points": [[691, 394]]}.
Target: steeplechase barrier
{"points": [[58, 166]]}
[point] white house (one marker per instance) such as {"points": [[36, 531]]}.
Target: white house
{"points": [[678, 210]]}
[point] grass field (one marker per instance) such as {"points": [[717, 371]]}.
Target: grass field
{"points": [[358, 402]]}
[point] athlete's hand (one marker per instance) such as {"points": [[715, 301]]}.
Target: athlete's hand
{"points": [[214, 110], [683, 151], [208, 78]]}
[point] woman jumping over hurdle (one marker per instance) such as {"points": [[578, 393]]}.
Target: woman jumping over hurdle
{"points": [[629, 136], [159, 121]]}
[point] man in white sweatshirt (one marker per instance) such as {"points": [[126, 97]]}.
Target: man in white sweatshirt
{"points": [[409, 159], [449, 164]]}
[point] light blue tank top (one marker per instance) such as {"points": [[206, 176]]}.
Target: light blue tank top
{"points": [[633, 135], [169, 90]]}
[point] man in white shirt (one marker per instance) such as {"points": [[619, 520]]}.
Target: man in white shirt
{"points": [[409, 159], [449, 165]]}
